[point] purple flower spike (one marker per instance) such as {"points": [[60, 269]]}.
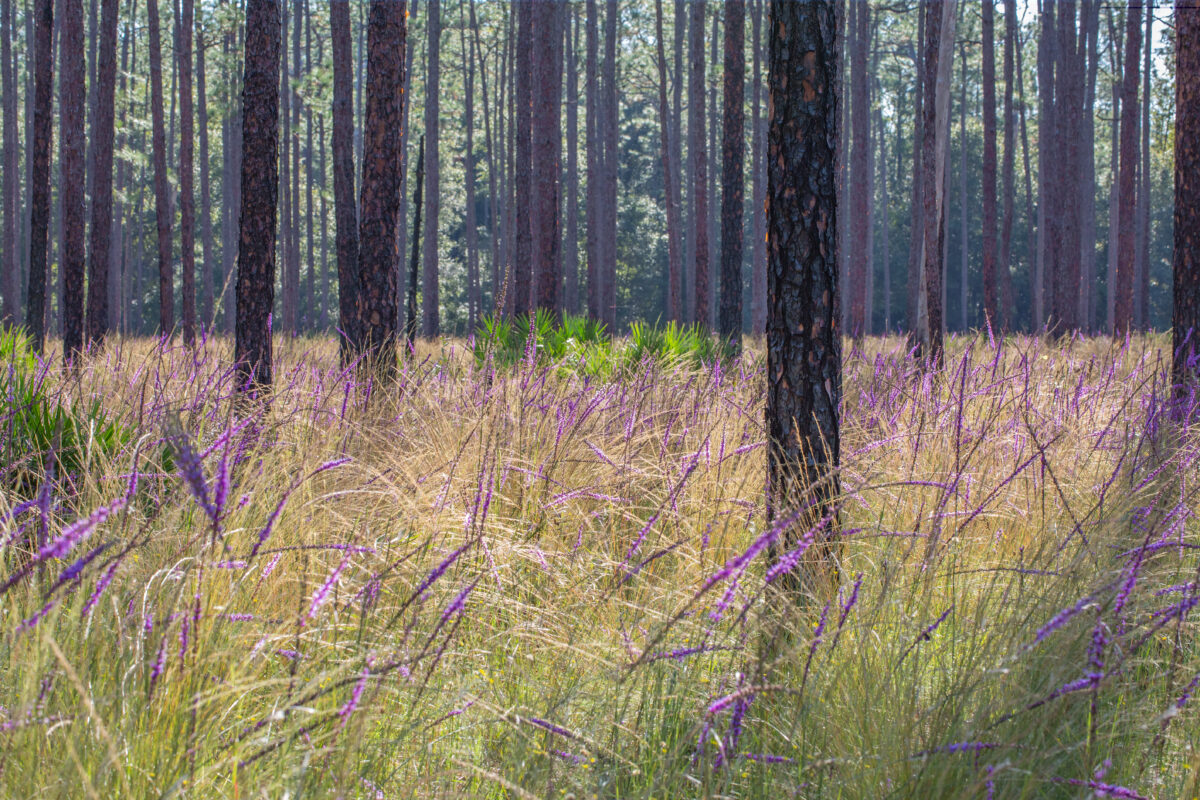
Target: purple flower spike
{"points": [[322, 594]]}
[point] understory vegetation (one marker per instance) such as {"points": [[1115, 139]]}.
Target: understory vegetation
{"points": [[515, 576]]}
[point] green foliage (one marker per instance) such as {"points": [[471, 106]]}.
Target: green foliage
{"points": [[582, 346], [39, 429]]}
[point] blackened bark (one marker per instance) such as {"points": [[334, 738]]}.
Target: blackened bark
{"points": [[1186, 315], [1123, 309], [758, 260], [523, 177], [433, 197], [696, 151], [674, 261], [379, 201], [410, 324], [595, 292], [732, 178], [187, 194], [11, 279], [71, 160], [939, 42], [571, 242], [1142, 290], [206, 234], [345, 207], [1008, 172], [288, 284], [859, 201], [991, 293], [101, 176], [612, 156], [260, 187], [546, 133], [162, 208], [803, 335]]}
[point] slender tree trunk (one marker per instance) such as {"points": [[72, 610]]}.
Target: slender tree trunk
{"points": [[402, 225], [1123, 312], [803, 335], [1142, 291], [683, 181], [326, 292], [523, 175], [758, 263], [101, 175], [162, 207], [1089, 13], [1003, 267], [1043, 267], [732, 180], [1114, 194], [71, 160], [301, 310], [469, 222], [11, 284], [433, 199], [260, 185], [571, 243], [859, 201], [206, 234], [379, 202], [1185, 321], [674, 262], [546, 133], [939, 41], [916, 243], [187, 207], [608, 236], [886, 221], [595, 292], [696, 151], [287, 284], [345, 207], [410, 327], [991, 289], [494, 203], [964, 263], [714, 196]]}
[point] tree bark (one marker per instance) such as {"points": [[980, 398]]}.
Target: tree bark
{"points": [[1142, 291], [11, 282], [571, 242], [856, 267], [101, 146], [732, 175], [379, 201], [991, 292], [758, 262], [595, 291], [345, 207], [546, 133], [1123, 312], [523, 175], [916, 243], [206, 234], [162, 207], [72, 102], [674, 261], [470, 223], [611, 161], [939, 42], [433, 198], [187, 204], [803, 335], [1088, 45], [1003, 268], [410, 325], [260, 186], [696, 151], [1185, 320]]}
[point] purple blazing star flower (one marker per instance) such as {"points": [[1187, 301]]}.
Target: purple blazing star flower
{"points": [[322, 594]]}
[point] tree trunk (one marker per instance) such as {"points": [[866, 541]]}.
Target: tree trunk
{"points": [[803, 335], [696, 151], [494, 203], [1142, 290], [433, 198], [523, 176], [856, 267], [1123, 312], [732, 176], [206, 234], [187, 204], [1114, 194], [345, 210], [964, 265], [379, 202], [11, 281], [294, 173], [162, 207], [939, 42], [916, 243], [260, 187], [410, 325], [683, 182], [758, 263], [1088, 45], [546, 133], [1003, 267], [287, 283], [674, 262], [886, 221], [991, 292], [595, 292], [103, 124], [1185, 320], [470, 223], [611, 160], [714, 155], [71, 160], [571, 243]]}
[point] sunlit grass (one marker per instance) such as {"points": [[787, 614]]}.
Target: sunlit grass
{"points": [[517, 583]]}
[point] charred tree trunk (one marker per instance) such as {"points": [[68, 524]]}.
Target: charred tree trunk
{"points": [[433, 198], [696, 151], [103, 125], [162, 206], [410, 324], [546, 133], [732, 180], [611, 160], [1123, 312], [345, 206], [187, 203], [991, 291], [595, 291], [1185, 321], [260, 186], [1142, 291], [758, 259], [571, 243], [379, 202], [674, 261], [206, 235], [11, 266], [856, 266], [939, 42], [916, 244], [523, 175], [72, 103], [803, 335]]}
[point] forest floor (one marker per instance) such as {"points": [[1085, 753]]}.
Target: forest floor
{"points": [[528, 583]]}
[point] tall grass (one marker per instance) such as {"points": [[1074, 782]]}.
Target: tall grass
{"points": [[520, 581]]}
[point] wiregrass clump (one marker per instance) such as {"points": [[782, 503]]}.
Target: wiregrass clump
{"points": [[525, 581]]}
